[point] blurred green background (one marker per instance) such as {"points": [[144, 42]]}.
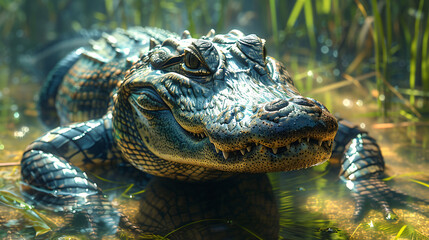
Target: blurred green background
{"points": [[380, 46]]}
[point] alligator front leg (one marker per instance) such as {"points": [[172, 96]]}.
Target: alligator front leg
{"points": [[53, 180], [362, 169]]}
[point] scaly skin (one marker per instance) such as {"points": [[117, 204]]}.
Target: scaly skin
{"points": [[187, 109], [229, 112]]}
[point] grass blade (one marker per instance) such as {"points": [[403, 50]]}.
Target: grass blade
{"points": [[420, 182], [340, 84], [414, 51], [274, 23], [308, 10], [40, 223], [400, 231], [404, 175], [295, 13], [399, 95], [326, 6], [425, 57], [10, 164], [381, 63]]}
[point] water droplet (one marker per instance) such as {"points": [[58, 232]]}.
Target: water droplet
{"points": [[336, 72], [18, 134], [324, 49], [328, 42], [359, 103], [16, 115], [347, 102]]}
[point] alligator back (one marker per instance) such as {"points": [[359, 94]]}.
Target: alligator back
{"points": [[80, 86]]}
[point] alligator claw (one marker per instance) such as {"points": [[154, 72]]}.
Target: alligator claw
{"points": [[379, 195]]}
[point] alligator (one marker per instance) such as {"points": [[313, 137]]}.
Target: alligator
{"points": [[189, 109]]}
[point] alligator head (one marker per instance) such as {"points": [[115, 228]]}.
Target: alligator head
{"points": [[218, 104]]}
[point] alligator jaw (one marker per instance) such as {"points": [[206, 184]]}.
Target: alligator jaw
{"points": [[256, 158], [325, 144], [291, 147]]}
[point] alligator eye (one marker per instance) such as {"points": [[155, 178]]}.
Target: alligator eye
{"points": [[191, 61], [264, 54], [193, 65]]}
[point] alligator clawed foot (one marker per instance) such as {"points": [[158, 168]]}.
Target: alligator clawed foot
{"points": [[376, 193]]}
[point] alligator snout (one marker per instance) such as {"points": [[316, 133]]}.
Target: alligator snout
{"points": [[281, 110], [276, 105], [308, 105], [275, 124]]}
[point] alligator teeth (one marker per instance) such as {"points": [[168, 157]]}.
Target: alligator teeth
{"points": [[263, 149], [225, 154], [199, 135]]}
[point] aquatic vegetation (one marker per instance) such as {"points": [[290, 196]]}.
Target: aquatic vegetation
{"points": [[349, 32], [40, 223]]}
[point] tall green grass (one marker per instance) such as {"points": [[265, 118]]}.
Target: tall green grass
{"points": [[376, 34], [414, 49], [273, 13]]}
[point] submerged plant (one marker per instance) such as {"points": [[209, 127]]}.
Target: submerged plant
{"points": [[39, 222]]}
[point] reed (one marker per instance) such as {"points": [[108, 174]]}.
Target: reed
{"points": [[309, 21], [293, 16], [39, 222], [380, 61], [221, 16], [395, 35], [425, 57], [414, 50], [274, 23]]}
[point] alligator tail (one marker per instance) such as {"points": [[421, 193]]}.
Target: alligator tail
{"points": [[47, 98]]}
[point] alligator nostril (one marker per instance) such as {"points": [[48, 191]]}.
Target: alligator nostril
{"points": [[276, 105], [303, 102]]}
